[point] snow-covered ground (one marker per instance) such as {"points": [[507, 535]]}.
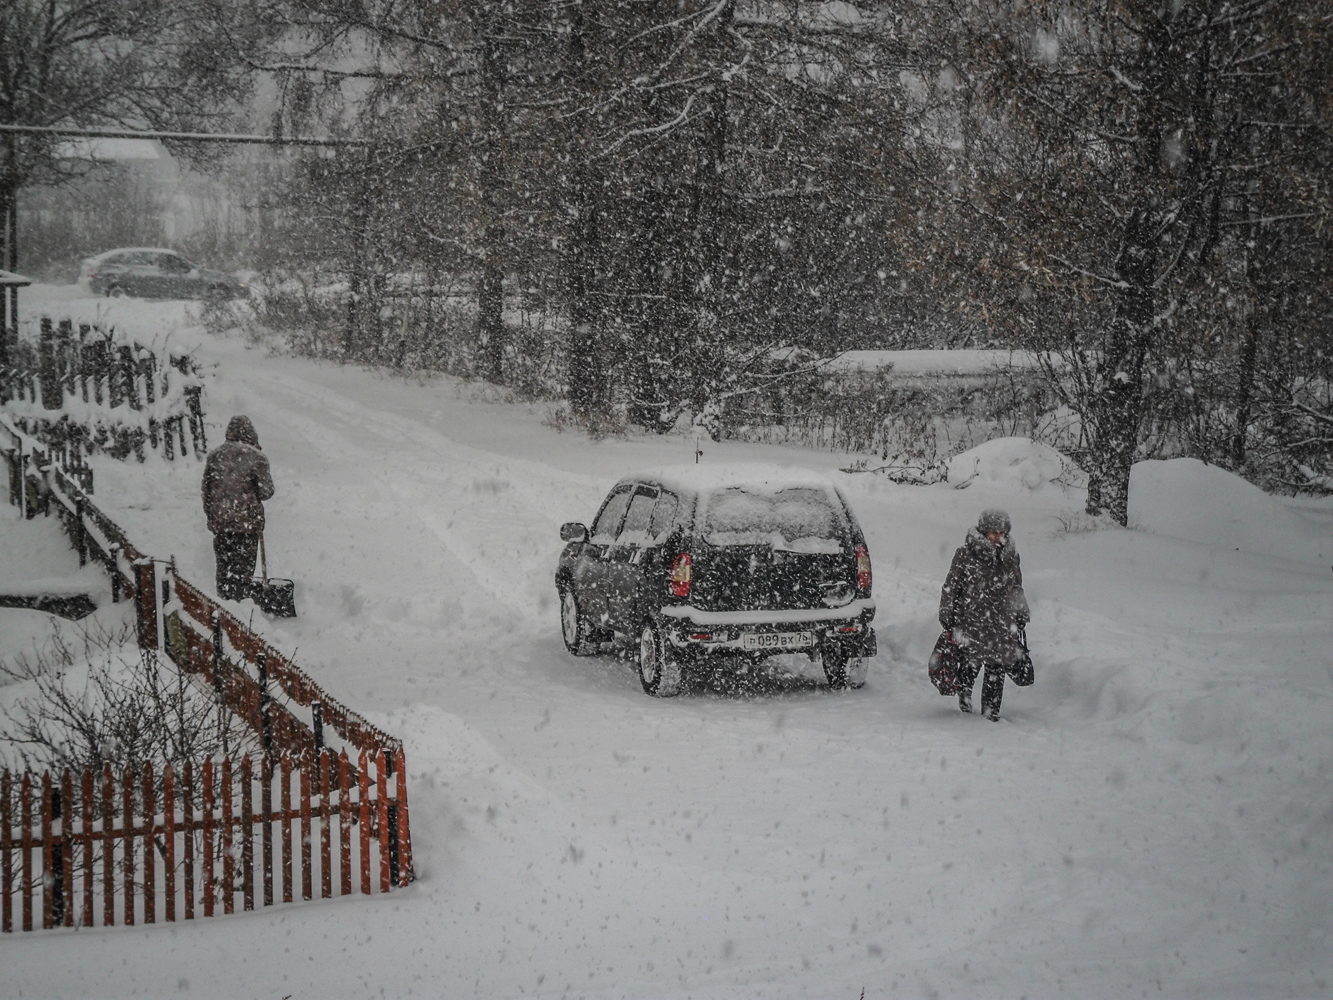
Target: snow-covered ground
{"points": [[1153, 817]]}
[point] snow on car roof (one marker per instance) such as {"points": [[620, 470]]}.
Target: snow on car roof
{"points": [[706, 478], [108, 253]]}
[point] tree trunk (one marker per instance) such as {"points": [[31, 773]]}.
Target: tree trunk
{"points": [[490, 289], [9, 185], [587, 367], [708, 271], [1118, 410]]}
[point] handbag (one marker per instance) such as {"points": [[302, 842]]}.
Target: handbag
{"points": [[1020, 671], [944, 663]]}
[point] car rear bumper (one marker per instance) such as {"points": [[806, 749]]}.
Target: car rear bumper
{"points": [[703, 632]]}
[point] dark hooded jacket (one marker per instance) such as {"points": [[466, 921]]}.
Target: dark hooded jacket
{"points": [[237, 481], [983, 600]]}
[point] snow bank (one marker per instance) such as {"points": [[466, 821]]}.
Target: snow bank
{"points": [[1184, 498], [1015, 463], [928, 362]]}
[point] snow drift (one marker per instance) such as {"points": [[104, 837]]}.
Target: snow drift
{"points": [[1015, 463], [1185, 498]]}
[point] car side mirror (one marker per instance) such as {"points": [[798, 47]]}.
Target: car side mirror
{"points": [[572, 531]]}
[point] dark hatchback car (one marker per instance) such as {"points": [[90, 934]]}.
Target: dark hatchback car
{"points": [[717, 568], [155, 273]]}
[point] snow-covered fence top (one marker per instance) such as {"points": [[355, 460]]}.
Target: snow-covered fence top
{"points": [[97, 388]]}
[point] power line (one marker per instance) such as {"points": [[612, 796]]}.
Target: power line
{"points": [[232, 137]]}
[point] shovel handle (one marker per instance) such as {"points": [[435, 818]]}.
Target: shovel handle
{"points": [[263, 559]]}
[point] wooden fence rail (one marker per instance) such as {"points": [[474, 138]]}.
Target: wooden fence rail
{"points": [[99, 844], [187, 832]]}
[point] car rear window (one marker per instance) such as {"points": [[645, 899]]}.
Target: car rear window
{"points": [[798, 519]]}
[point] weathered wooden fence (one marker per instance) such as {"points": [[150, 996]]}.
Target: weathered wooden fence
{"points": [[89, 389], [345, 766], [189, 845]]}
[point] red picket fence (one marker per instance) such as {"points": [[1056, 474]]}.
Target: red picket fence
{"points": [[100, 846], [194, 632]]}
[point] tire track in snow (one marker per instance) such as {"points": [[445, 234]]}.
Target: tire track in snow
{"points": [[504, 536]]}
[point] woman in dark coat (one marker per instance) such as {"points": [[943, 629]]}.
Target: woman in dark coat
{"points": [[984, 607], [236, 483]]}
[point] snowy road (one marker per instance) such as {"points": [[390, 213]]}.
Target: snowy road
{"points": [[1154, 817]]}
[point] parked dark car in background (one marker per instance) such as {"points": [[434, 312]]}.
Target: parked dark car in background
{"points": [[152, 272], [718, 568]]}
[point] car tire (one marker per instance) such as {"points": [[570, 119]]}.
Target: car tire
{"points": [[659, 668], [115, 292], [844, 671], [218, 294], [574, 626]]}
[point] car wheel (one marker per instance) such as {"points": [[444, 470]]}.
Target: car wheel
{"points": [[116, 292], [659, 668], [217, 293], [844, 671], [574, 627]]}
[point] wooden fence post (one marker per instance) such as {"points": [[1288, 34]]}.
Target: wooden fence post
{"points": [[108, 848], [6, 871], [209, 887], [145, 602], [113, 557], [363, 790], [382, 793], [405, 873], [247, 837], [325, 852], [66, 355], [67, 848], [52, 395], [266, 830], [127, 838], [285, 768], [265, 720], [187, 816], [25, 841], [84, 352], [48, 874], [228, 859], [169, 838], [87, 840], [344, 825], [307, 775], [149, 855]]}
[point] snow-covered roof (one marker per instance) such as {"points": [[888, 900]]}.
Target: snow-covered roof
{"points": [[108, 148], [938, 362], [706, 478]]}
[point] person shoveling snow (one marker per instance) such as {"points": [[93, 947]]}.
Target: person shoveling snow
{"points": [[236, 483]]}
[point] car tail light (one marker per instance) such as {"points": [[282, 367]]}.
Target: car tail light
{"points": [[682, 575], [862, 568]]}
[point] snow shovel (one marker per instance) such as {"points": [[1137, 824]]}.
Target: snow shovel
{"points": [[274, 596]]}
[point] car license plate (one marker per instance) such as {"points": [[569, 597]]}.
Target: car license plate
{"points": [[778, 640]]}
